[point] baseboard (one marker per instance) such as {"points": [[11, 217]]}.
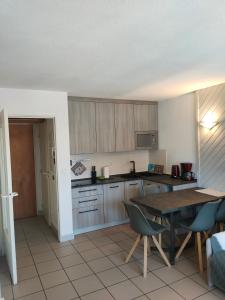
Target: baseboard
{"points": [[65, 238], [98, 227]]}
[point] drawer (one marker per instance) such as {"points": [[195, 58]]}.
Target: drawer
{"points": [[88, 216], [87, 201], [87, 191]]}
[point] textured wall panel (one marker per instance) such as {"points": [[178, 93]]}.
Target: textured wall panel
{"points": [[212, 142]]}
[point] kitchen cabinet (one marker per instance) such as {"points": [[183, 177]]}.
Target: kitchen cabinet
{"points": [[151, 187], [87, 204], [124, 124], [105, 127], [82, 127], [114, 209], [145, 117], [133, 189]]}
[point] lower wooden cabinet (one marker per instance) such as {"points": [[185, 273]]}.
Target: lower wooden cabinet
{"points": [[88, 216], [133, 189], [114, 196]]}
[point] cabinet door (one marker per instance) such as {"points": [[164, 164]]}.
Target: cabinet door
{"points": [[105, 127], [82, 127], [114, 210], [133, 189], [145, 117], [124, 122]]}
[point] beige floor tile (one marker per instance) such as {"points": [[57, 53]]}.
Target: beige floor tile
{"points": [[201, 279], [87, 285], [27, 287], [48, 266], [154, 263], [24, 261], [5, 278], [111, 249], [40, 248], [79, 239], [148, 284], [21, 252], [63, 291], [132, 269], [111, 276], [7, 292], [142, 298], [119, 258], [78, 271], [44, 256], [101, 241], [64, 251], [168, 275], [27, 273], [95, 234], [120, 236], [71, 260], [86, 245], [209, 296], [124, 291], [91, 254], [56, 244], [101, 264], [186, 266], [99, 295], [164, 293], [188, 288], [53, 279], [35, 296]]}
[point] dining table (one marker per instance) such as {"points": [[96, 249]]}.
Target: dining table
{"points": [[169, 205]]}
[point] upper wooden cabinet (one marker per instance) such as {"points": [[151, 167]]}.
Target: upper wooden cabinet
{"points": [[82, 127], [145, 117], [105, 127], [124, 124]]}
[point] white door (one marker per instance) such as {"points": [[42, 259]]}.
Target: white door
{"points": [[7, 197]]}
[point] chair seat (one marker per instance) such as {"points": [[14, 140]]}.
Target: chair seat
{"points": [[157, 228]]}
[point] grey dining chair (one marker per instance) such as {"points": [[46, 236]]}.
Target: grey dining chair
{"points": [[202, 223], [144, 228], [220, 216]]}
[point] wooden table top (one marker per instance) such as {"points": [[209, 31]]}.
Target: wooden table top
{"points": [[164, 203]]}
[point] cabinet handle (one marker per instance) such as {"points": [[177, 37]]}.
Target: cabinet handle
{"points": [[113, 187], [133, 183], [88, 200], [85, 211], [87, 191]]}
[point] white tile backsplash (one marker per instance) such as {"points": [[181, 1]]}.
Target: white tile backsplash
{"points": [[118, 162]]}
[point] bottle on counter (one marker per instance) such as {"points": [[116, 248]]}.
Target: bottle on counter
{"points": [[93, 174]]}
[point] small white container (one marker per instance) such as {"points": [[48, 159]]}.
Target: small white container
{"points": [[105, 172]]}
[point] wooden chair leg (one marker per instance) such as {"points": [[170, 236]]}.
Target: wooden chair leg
{"points": [[160, 235], [183, 245], [145, 256], [200, 263], [221, 226], [133, 248], [161, 251]]}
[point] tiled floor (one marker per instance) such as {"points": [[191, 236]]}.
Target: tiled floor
{"points": [[91, 267]]}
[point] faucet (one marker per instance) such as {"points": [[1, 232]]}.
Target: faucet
{"points": [[132, 171]]}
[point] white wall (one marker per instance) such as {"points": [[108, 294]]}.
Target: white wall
{"points": [[178, 131], [119, 162], [48, 104]]}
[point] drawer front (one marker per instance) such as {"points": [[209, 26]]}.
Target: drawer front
{"points": [[87, 201], [88, 216], [87, 191]]}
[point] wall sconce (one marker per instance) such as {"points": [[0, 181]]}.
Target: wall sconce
{"points": [[209, 121]]}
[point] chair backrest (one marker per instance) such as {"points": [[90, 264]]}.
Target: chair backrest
{"points": [[138, 221], [220, 215], [206, 217]]}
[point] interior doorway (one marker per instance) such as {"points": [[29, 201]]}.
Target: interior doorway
{"points": [[33, 164]]}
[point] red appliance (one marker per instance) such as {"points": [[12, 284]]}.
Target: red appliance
{"points": [[175, 171], [186, 173]]}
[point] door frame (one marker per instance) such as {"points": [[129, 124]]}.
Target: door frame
{"points": [[56, 159]]}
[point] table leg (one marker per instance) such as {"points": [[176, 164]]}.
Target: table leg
{"points": [[172, 240]]}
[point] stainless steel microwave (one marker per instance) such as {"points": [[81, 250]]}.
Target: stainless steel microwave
{"points": [[146, 140]]}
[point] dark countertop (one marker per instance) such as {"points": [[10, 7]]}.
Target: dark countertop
{"points": [[164, 179]]}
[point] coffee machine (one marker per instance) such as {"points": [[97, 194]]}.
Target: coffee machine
{"points": [[186, 171]]}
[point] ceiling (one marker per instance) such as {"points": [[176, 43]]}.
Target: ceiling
{"points": [[128, 49]]}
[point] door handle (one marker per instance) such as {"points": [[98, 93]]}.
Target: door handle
{"points": [[13, 194]]}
